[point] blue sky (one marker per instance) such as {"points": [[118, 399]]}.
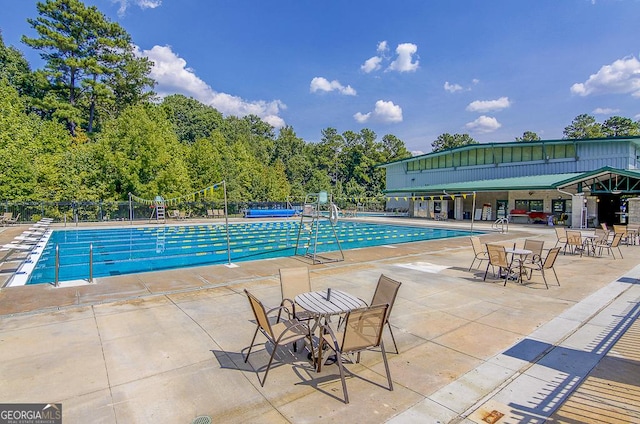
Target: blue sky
{"points": [[412, 68]]}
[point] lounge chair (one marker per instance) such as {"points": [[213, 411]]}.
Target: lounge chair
{"points": [[546, 264], [5, 216], [294, 281], [361, 330], [279, 334], [498, 258], [479, 251]]}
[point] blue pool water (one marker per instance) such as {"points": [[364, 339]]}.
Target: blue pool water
{"points": [[131, 250]]}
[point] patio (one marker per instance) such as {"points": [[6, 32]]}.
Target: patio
{"points": [[168, 346]]}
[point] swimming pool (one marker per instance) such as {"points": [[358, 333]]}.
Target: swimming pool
{"points": [[130, 250]]}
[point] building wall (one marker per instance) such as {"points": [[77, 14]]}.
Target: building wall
{"points": [[590, 155]]}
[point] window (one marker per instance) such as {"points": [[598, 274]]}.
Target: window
{"points": [[530, 205]]}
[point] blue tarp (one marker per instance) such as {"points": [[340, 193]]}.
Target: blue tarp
{"points": [[270, 213]]}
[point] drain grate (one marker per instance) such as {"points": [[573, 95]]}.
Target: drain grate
{"points": [[202, 420]]}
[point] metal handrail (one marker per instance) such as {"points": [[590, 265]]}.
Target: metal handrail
{"points": [[56, 279], [91, 263], [499, 224]]}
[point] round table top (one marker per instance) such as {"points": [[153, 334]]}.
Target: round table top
{"points": [[339, 302]]}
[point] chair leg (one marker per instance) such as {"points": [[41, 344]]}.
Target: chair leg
{"points": [[386, 365], [273, 354], [556, 275], [251, 345], [472, 262], [342, 377], [392, 338], [486, 271], [544, 278]]}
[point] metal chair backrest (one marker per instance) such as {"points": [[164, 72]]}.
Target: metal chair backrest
{"points": [[574, 238], [551, 258], [604, 226], [260, 314], [363, 328], [622, 229], [294, 281], [535, 246], [497, 255], [386, 292], [477, 245], [616, 239], [561, 233]]}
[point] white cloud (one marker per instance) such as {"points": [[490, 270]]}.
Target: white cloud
{"points": [[483, 106], [323, 84], [417, 152], [622, 77], [362, 117], [142, 4], [604, 111], [173, 76], [452, 88], [404, 61], [383, 112], [484, 124], [371, 64]]}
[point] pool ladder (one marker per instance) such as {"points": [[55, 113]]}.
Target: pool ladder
{"points": [[56, 278]]}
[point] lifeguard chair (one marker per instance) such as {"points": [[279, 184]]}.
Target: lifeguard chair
{"points": [[318, 210]]}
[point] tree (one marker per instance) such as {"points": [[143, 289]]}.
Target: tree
{"points": [[87, 59], [448, 141], [138, 152], [617, 126], [15, 68], [191, 119], [528, 136], [583, 126], [394, 148]]}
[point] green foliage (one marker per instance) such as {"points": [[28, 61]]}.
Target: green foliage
{"points": [[139, 153], [583, 126], [617, 126], [90, 66], [448, 141], [191, 119], [528, 136]]}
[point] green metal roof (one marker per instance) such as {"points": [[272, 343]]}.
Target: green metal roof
{"points": [[534, 182], [633, 139]]}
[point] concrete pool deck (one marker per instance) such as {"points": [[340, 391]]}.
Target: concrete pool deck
{"points": [[168, 346]]}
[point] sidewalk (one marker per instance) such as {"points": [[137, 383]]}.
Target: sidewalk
{"points": [[168, 346]]}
